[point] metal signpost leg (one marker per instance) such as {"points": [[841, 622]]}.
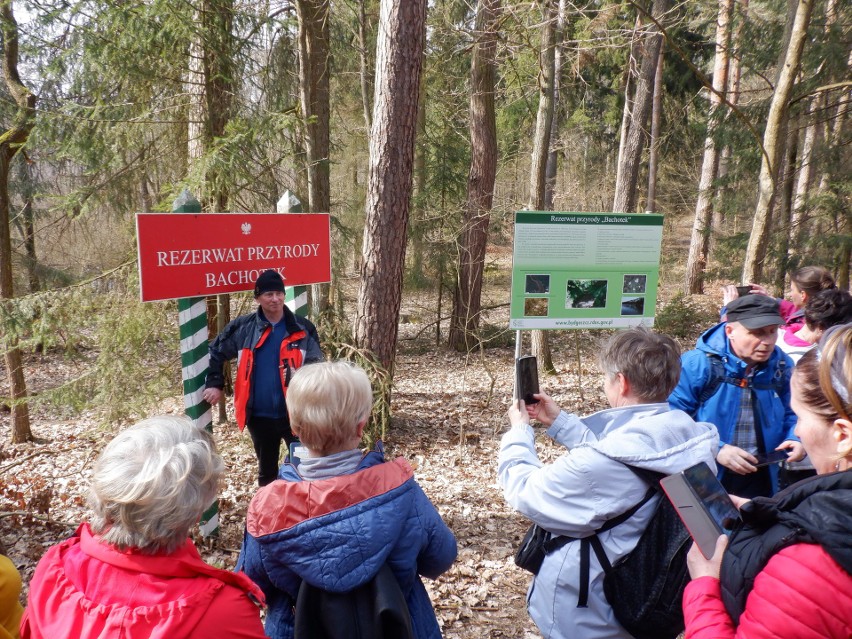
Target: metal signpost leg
{"points": [[295, 297], [194, 356]]}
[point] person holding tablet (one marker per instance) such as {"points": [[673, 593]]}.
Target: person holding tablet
{"points": [[787, 572]]}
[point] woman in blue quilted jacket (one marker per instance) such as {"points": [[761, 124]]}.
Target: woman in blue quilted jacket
{"points": [[339, 516]]}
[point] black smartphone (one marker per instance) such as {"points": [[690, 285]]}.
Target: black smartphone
{"points": [[702, 504], [772, 457], [743, 290], [526, 378]]}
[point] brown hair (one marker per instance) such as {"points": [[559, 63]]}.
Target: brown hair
{"points": [[813, 279]]}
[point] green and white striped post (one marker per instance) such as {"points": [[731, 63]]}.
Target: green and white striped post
{"points": [[295, 297], [194, 359]]}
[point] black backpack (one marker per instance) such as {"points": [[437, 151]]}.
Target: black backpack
{"points": [[375, 610], [645, 587]]}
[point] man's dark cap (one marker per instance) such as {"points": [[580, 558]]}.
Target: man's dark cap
{"points": [[268, 281], [754, 311]]}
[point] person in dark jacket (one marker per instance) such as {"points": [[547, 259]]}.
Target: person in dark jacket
{"points": [[339, 516], [787, 572], [270, 345], [738, 380]]}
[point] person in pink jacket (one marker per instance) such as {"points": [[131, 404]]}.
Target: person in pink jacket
{"points": [[133, 572], [785, 573]]}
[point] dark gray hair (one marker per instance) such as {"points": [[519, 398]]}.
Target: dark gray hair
{"points": [[650, 362], [152, 482]]}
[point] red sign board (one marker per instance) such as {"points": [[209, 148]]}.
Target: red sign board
{"points": [[193, 255]]}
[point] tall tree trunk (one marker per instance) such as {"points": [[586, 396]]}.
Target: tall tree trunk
{"points": [[464, 323], [552, 156], [399, 59], [210, 86], [803, 180], [629, 159], [419, 214], [364, 65], [541, 146], [733, 93], [654, 141], [11, 141], [314, 70], [773, 144], [27, 221], [817, 105], [699, 244], [784, 206], [629, 82]]}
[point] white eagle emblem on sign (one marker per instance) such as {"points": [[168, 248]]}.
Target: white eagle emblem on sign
{"points": [[246, 227]]}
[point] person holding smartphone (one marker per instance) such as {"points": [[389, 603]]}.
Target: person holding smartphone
{"points": [[804, 284], [590, 483], [737, 379], [787, 571]]}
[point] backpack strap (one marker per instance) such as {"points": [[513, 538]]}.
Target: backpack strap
{"points": [[593, 542], [718, 374]]}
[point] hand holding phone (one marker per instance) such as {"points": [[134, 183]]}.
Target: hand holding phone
{"points": [[702, 504]]}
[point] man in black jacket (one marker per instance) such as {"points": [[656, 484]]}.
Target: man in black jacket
{"points": [[269, 344]]}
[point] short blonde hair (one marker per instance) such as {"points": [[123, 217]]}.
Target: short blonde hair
{"points": [[326, 402], [152, 482]]}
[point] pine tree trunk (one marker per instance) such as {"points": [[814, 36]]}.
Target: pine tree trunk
{"points": [[773, 144], [314, 71], [803, 180], [541, 147], [654, 141], [733, 93], [627, 176], [699, 244], [364, 66], [419, 214], [553, 154], [785, 207], [11, 141], [544, 116], [399, 61], [464, 323]]}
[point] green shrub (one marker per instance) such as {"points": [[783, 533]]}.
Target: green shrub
{"points": [[685, 317]]}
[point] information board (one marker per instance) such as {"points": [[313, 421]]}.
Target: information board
{"points": [[584, 270], [199, 254]]}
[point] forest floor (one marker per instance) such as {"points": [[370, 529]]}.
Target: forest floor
{"points": [[448, 416]]}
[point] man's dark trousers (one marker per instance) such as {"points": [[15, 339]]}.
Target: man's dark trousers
{"points": [[266, 435]]}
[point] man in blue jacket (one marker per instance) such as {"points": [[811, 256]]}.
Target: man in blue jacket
{"points": [[738, 380], [270, 345]]}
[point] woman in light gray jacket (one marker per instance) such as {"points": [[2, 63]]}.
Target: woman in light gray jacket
{"points": [[590, 484]]}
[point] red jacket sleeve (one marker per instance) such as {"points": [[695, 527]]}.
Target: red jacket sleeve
{"points": [[801, 594]]}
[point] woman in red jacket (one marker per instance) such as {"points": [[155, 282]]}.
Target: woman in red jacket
{"points": [[133, 572], [786, 572]]}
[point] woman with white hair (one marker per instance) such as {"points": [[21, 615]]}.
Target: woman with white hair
{"points": [[335, 520], [132, 572]]}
